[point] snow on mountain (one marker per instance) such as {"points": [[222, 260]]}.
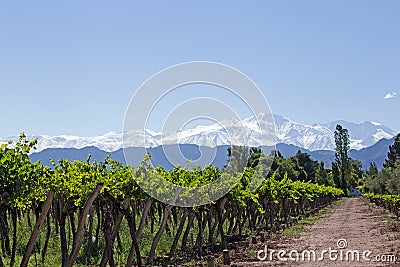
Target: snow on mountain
{"points": [[250, 132], [253, 131], [364, 134], [321, 136], [311, 137], [110, 141]]}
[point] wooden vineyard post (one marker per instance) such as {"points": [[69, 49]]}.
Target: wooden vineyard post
{"points": [[36, 230], [211, 261], [226, 257], [81, 227]]}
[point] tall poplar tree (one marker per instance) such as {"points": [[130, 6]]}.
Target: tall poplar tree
{"points": [[342, 159]]}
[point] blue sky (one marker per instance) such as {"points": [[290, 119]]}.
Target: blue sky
{"points": [[72, 67]]}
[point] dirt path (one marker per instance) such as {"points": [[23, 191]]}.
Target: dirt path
{"points": [[358, 224]]}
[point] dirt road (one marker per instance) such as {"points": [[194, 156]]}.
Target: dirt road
{"points": [[352, 228]]}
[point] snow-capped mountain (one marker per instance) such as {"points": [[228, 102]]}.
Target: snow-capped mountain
{"points": [[252, 131], [110, 141], [321, 136]]}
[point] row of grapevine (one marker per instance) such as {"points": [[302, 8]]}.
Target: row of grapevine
{"points": [[88, 207], [389, 202]]}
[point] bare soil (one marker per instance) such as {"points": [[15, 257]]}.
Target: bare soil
{"points": [[364, 226]]}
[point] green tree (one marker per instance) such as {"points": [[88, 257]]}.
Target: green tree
{"points": [[372, 171], [255, 155], [370, 176], [321, 175], [336, 175], [387, 181], [393, 183], [357, 173], [285, 167], [393, 154], [305, 166], [238, 159], [342, 159]]}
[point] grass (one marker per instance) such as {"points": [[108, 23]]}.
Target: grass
{"points": [[295, 231], [251, 251]]}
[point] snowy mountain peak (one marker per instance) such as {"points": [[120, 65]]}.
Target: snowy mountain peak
{"points": [[254, 131]]}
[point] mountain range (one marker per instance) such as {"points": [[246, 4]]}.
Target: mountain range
{"points": [[313, 137], [376, 153], [369, 142]]}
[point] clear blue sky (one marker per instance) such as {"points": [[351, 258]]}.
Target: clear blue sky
{"points": [[71, 67]]}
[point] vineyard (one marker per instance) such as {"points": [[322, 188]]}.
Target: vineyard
{"points": [[84, 213], [389, 202]]}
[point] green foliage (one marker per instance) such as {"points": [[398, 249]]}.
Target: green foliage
{"points": [[372, 171], [293, 190], [393, 154], [322, 176], [336, 177], [356, 173], [286, 167], [20, 179], [387, 181], [390, 202], [305, 166], [342, 160]]}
